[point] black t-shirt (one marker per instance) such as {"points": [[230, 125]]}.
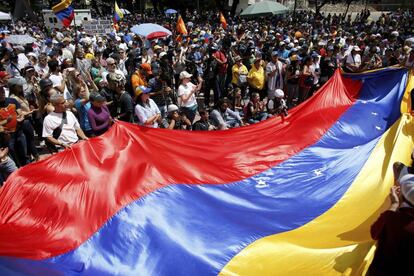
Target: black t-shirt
{"points": [[125, 105], [201, 125]]}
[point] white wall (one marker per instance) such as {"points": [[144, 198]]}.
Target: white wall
{"points": [[51, 20]]}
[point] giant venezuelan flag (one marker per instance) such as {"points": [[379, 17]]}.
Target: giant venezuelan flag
{"points": [[292, 197]]}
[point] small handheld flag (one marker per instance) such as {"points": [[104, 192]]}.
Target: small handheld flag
{"points": [[64, 12], [181, 29], [223, 21], [118, 15]]}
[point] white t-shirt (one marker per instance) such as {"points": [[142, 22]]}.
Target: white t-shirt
{"points": [[147, 111], [57, 82], [186, 90], [354, 60], [275, 82], [68, 134], [106, 73]]}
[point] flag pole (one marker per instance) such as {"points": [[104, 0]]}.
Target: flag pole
{"points": [[75, 28]]}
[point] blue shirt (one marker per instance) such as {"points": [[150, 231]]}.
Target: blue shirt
{"points": [[83, 114]]}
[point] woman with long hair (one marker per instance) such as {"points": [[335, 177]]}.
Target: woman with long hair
{"points": [[305, 79]]}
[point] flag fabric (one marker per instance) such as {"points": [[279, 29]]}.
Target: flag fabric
{"points": [[64, 12], [223, 21], [294, 196], [181, 29], [118, 15]]}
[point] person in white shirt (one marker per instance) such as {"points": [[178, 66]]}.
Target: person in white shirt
{"points": [[353, 60], [112, 68], [58, 79], [146, 110], [186, 94], [41, 67], [315, 70], [71, 130], [274, 73]]}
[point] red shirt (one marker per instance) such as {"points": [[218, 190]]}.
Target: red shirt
{"points": [[222, 68], [394, 232]]}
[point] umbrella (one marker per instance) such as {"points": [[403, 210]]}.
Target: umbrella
{"points": [[264, 8], [5, 16], [125, 11], [20, 39], [170, 11], [150, 30], [411, 40]]}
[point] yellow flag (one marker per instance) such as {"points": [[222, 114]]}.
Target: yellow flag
{"points": [[181, 26]]}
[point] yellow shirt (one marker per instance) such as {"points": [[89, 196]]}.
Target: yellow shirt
{"points": [[256, 77], [137, 80], [236, 71]]}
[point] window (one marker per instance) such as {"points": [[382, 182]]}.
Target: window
{"points": [[85, 19], [50, 20], [55, 20]]}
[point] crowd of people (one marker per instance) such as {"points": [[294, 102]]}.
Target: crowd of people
{"points": [[71, 85]]}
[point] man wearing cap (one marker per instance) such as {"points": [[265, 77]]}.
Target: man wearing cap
{"points": [[353, 61], [146, 109], [256, 77], [239, 75], [175, 120], [394, 229], [274, 73], [140, 76], [123, 103], [48, 46], [283, 53]]}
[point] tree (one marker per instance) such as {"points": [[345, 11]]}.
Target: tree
{"points": [[234, 7], [220, 5], [294, 8], [348, 3], [319, 4]]}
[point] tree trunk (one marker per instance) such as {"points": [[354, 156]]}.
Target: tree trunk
{"points": [[219, 5], [348, 3], [234, 7], [294, 8]]}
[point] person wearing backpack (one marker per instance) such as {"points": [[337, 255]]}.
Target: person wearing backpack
{"points": [[60, 127]]}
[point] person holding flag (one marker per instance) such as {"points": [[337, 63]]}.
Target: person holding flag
{"points": [[64, 12]]}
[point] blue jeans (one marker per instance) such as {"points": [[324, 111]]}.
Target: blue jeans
{"points": [[163, 110], [232, 123], [258, 118], [7, 166], [18, 148]]}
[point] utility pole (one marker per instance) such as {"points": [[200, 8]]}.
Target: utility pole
{"points": [[198, 6]]}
